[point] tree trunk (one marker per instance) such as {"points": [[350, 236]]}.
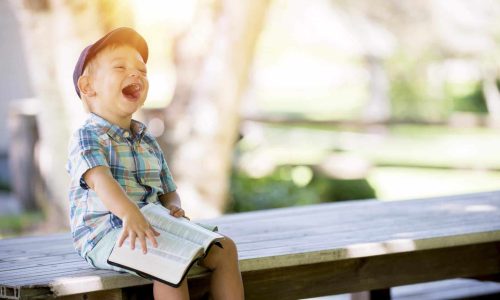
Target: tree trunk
{"points": [[378, 108], [491, 96], [203, 119], [55, 32], [22, 144]]}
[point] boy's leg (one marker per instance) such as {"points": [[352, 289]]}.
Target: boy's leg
{"points": [[98, 256], [226, 280], [162, 291]]}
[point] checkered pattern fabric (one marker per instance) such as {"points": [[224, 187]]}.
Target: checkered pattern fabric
{"points": [[136, 162]]}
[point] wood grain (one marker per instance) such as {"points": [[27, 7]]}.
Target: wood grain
{"points": [[309, 250]]}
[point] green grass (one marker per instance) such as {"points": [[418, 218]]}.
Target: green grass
{"points": [[419, 146], [407, 161], [5, 186], [13, 225], [407, 183], [437, 147]]}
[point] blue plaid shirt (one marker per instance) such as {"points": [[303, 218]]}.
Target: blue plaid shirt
{"points": [[136, 162]]}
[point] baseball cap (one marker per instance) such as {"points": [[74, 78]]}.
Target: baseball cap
{"points": [[122, 35]]}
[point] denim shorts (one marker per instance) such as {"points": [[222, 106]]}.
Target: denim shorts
{"points": [[98, 256]]}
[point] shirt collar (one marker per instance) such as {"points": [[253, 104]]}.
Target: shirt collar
{"points": [[116, 132]]}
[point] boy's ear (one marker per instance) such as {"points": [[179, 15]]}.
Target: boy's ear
{"points": [[85, 86]]}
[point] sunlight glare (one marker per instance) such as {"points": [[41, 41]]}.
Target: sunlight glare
{"points": [[302, 175], [480, 208], [175, 13]]}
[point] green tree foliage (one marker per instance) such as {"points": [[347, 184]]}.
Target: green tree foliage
{"points": [[412, 97], [468, 98], [278, 190]]}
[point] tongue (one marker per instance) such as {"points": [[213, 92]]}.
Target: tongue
{"points": [[132, 91]]}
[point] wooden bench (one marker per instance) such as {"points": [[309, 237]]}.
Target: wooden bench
{"points": [[296, 252]]}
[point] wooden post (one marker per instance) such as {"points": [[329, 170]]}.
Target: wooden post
{"points": [[23, 132], [115, 294]]}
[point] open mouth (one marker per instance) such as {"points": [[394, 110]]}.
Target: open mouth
{"points": [[132, 91]]}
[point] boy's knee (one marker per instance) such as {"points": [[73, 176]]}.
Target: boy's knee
{"points": [[221, 256], [229, 247]]}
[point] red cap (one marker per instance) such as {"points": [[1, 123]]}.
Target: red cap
{"points": [[122, 35]]}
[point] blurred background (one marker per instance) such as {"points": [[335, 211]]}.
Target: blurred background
{"points": [[263, 103]]}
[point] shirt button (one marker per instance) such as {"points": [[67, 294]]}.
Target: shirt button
{"points": [[126, 134]]}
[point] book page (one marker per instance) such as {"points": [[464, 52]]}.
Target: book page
{"points": [[160, 218], [169, 261]]}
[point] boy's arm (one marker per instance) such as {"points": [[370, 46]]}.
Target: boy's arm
{"points": [[172, 201], [116, 200]]}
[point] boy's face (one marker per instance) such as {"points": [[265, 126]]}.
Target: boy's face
{"points": [[118, 81]]}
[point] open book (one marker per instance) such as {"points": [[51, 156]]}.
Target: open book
{"points": [[180, 244]]}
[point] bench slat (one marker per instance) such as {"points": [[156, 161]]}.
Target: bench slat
{"points": [[281, 238], [360, 207]]}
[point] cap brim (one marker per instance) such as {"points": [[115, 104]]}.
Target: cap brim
{"points": [[121, 35]]}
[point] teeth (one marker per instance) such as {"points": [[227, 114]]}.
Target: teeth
{"points": [[132, 89]]}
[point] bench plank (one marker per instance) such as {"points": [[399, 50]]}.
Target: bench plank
{"points": [[331, 234], [372, 273], [448, 289]]}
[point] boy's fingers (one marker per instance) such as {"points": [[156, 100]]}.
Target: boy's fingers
{"points": [[132, 241], [151, 237], [142, 239], [176, 210], [156, 233], [122, 238]]}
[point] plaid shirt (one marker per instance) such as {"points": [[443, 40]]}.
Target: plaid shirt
{"points": [[136, 162]]}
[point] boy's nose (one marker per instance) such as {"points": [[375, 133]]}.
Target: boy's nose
{"points": [[134, 73]]}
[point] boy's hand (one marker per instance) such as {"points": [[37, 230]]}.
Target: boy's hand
{"points": [[176, 211], [172, 202], [116, 200], [136, 226]]}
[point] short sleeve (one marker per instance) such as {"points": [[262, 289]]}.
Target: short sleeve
{"points": [[85, 153], [167, 181]]}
